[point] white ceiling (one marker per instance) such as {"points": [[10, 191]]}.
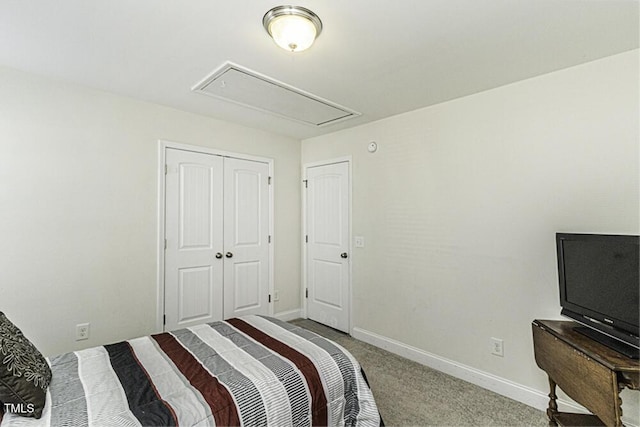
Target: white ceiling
{"points": [[379, 58]]}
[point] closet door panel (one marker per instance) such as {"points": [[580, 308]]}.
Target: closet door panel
{"points": [[194, 234], [246, 235]]}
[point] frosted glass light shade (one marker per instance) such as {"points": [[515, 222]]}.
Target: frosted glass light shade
{"points": [[292, 28], [292, 32]]}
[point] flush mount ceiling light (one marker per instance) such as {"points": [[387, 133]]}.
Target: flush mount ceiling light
{"points": [[293, 28]]}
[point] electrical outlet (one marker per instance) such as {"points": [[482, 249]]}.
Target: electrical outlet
{"points": [[497, 347], [82, 331], [276, 295], [359, 241]]}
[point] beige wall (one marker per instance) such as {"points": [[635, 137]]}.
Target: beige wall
{"points": [[78, 207], [460, 204]]}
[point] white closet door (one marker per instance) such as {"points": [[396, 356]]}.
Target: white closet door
{"points": [[194, 236], [246, 235], [328, 275]]}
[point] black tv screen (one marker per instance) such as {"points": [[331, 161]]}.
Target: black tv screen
{"points": [[600, 281]]}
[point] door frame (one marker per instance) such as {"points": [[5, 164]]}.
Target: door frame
{"points": [[163, 145], [305, 166]]}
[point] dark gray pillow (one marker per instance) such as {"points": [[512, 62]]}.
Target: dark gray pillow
{"points": [[24, 372]]}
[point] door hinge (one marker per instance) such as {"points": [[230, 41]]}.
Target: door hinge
{"points": [[269, 238], [269, 297], [269, 181], [164, 319], [166, 169], [306, 292], [165, 244], [305, 183], [306, 238]]}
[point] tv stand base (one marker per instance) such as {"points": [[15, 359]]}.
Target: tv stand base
{"points": [[612, 343]]}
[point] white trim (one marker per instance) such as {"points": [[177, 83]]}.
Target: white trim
{"points": [[303, 272], [272, 243], [527, 395], [164, 144], [162, 147], [288, 315], [303, 243], [161, 236], [343, 159]]}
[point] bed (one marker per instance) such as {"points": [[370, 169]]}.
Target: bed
{"points": [[253, 370]]}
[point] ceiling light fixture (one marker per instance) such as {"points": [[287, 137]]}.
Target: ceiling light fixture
{"points": [[293, 28]]}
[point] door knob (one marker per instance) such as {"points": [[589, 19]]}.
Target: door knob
{"points": [[219, 255], [343, 255], [228, 255]]}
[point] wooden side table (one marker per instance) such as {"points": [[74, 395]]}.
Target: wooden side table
{"points": [[590, 373]]}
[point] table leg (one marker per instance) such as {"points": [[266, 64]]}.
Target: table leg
{"points": [[553, 405]]}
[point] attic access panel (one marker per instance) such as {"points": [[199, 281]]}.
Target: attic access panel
{"points": [[242, 86]]}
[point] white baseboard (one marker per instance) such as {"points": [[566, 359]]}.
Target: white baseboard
{"points": [[286, 316], [527, 395]]}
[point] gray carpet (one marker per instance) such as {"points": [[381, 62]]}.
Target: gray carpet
{"points": [[411, 394]]}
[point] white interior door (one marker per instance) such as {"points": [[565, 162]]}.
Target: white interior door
{"points": [[246, 238], [194, 235], [327, 260]]}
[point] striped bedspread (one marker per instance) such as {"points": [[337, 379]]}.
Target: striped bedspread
{"points": [[253, 371]]}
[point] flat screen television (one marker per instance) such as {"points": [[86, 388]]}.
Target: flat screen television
{"points": [[599, 287]]}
